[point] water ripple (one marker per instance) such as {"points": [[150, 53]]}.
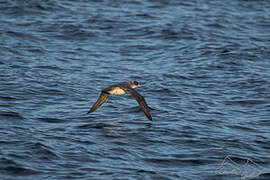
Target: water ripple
{"points": [[204, 67]]}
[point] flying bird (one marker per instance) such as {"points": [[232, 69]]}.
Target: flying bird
{"points": [[122, 88]]}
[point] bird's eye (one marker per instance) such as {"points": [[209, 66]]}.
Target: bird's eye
{"points": [[136, 83]]}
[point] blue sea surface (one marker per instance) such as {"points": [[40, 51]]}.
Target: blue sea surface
{"points": [[204, 65]]}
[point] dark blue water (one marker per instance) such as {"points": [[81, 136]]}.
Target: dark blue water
{"points": [[206, 70]]}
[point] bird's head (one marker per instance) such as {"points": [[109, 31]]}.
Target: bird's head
{"points": [[135, 84]]}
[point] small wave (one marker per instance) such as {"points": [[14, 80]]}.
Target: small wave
{"points": [[49, 67], [161, 162], [7, 98], [11, 167], [51, 120], [20, 8], [11, 115], [97, 125], [44, 150], [75, 32], [249, 102]]}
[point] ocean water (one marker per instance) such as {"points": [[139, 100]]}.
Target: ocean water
{"points": [[204, 65]]}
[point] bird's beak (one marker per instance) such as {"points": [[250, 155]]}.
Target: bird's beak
{"points": [[139, 85]]}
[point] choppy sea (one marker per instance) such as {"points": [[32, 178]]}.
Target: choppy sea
{"points": [[204, 65]]}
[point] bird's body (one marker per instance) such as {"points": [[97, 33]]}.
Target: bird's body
{"points": [[122, 88], [117, 91]]}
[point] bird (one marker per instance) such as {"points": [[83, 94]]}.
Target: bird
{"points": [[122, 88]]}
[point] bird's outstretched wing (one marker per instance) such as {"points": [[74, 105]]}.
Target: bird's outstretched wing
{"points": [[140, 100], [102, 98]]}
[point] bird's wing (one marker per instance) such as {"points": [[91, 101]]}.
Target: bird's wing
{"points": [[102, 98], [140, 99]]}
